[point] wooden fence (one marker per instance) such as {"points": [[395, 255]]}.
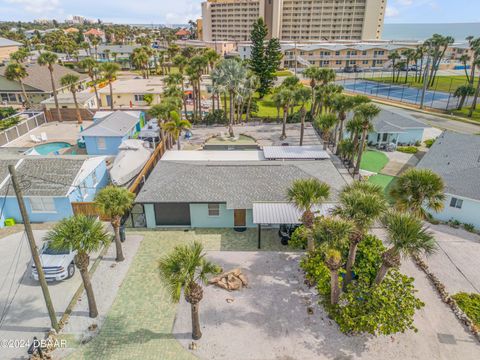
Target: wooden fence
{"points": [[89, 209]]}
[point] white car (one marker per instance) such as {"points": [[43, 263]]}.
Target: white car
{"points": [[57, 263]]}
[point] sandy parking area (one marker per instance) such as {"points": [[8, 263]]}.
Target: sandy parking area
{"points": [[269, 320]]}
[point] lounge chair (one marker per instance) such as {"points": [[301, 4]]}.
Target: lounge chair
{"points": [[35, 139], [43, 136]]}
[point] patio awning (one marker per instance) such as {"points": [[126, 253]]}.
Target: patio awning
{"points": [[283, 213], [295, 152]]}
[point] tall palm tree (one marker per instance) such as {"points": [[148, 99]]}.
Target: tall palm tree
{"points": [[17, 72], [326, 122], [325, 77], [301, 96], [49, 59], [393, 56], [313, 74], [175, 127], [419, 190], [91, 66], [473, 106], [109, 72], [251, 84], [463, 92], [186, 268], [366, 113], [285, 98], [361, 203], [409, 55], [406, 236], [354, 127], [85, 235], [71, 81], [341, 105], [304, 194], [162, 112], [181, 62], [115, 202]]}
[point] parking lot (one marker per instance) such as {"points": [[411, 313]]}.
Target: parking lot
{"points": [[22, 307]]}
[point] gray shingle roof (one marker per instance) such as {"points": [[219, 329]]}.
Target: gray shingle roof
{"points": [[390, 121], [238, 184], [456, 158], [118, 123]]}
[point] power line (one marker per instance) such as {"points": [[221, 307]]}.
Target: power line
{"points": [[58, 183], [4, 199]]}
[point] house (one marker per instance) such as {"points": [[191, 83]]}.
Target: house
{"points": [[110, 129], [7, 47], [107, 52], [221, 189], [85, 99], [456, 158], [37, 84], [95, 33], [131, 93], [53, 184], [392, 127], [182, 34]]}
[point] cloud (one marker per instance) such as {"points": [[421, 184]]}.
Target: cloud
{"points": [[391, 11], [37, 6]]}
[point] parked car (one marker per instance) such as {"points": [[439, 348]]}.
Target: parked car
{"points": [[285, 232], [57, 263]]}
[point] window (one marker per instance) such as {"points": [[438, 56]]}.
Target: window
{"points": [[213, 209], [138, 97], [42, 204], [101, 145], [456, 203]]}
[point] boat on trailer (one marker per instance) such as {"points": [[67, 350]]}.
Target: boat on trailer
{"points": [[131, 159]]}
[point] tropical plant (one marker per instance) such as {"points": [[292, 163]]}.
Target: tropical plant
{"points": [[49, 59], [17, 72], [186, 268], [463, 92], [109, 71], [85, 235], [115, 202], [393, 57], [304, 194], [175, 127], [365, 113], [313, 74], [326, 122], [301, 96], [341, 105], [91, 66], [406, 236], [417, 191], [71, 81]]}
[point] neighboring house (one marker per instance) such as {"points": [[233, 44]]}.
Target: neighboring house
{"points": [[117, 53], [110, 129], [7, 47], [53, 184], [456, 158], [95, 32], [37, 84], [224, 191], [85, 99], [131, 93], [391, 127]]}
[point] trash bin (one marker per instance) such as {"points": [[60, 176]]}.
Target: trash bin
{"points": [[122, 233]]}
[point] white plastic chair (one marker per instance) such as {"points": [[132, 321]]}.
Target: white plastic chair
{"points": [[43, 136], [34, 138]]}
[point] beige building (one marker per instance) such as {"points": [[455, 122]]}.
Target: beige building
{"points": [[7, 47], [130, 93], [294, 20]]}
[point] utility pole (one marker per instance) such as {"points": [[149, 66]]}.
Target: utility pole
{"points": [[33, 247], [426, 80]]}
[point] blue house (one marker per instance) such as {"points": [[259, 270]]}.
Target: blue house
{"points": [[456, 158], [51, 185], [110, 129]]}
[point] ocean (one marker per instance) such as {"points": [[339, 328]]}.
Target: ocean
{"points": [[423, 31]]}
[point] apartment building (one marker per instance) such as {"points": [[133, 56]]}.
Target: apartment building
{"points": [[294, 20]]}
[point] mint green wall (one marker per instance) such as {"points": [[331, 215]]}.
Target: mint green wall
{"points": [[469, 213], [150, 216], [199, 217]]}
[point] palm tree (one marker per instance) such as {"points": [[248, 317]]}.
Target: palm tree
{"points": [[464, 59], [473, 107], [17, 72], [409, 55], [109, 71], [71, 81], [366, 113], [92, 69], [313, 74], [463, 92], [326, 122], [176, 126], [49, 59], [85, 235], [419, 190], [361, 203], [115, 202], [301, 96], [325, 77], [181, 62], [393, 56], [186, 268], [285, 98], [406, 236], [341, 104], [251, 84], [304, 194], [354, 126]]}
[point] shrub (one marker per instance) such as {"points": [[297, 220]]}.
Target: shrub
{"points": [[298, 240], [432, 220], [317, 273], [407, 149], [215, 117], [6, 112], [8, 123], [418, 143], [148, 98], [368, 259], [469, 227], [454, 223], [429, 142], [470, 305], [295, 118]]}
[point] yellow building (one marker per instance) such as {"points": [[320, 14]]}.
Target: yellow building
{"points": [[131, 93], [7, 47]]}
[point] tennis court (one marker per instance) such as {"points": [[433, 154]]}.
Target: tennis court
{"points": [[403, 93]]}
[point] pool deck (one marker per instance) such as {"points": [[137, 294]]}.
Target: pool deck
{"points": [[66, 131]]}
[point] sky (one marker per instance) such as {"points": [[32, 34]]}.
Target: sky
{"points": [[180, 11]]}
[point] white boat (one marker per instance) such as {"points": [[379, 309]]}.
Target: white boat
{"points": [[133, 155]]}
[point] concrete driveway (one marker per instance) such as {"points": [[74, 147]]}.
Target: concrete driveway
{"points": [[21, 297]]}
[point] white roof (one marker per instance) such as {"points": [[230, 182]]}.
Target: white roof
{"points": [[153, 85], [88, 166], [295, 152], [212, 155], [104, 113], [283, 213]]}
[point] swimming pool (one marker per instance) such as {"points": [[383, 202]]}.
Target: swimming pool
{"points": [[49, 148]]}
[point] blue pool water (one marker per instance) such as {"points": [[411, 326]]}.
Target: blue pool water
{"points": [[50, 148]]}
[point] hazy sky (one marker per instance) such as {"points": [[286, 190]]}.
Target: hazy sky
{"points": [[180, 11]]}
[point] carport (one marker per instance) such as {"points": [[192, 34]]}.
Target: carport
{"points": [[278, 213]]}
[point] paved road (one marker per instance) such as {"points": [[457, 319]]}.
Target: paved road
{"points": [[26, 315]]}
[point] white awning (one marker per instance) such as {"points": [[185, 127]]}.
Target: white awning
{"points": [[283, 213], [295, 152]]}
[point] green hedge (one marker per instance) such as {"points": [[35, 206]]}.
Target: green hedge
{"points": [[470, 305], [408, 149]]}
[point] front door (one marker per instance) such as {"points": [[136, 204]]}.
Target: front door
{"points": [[239, 218]]}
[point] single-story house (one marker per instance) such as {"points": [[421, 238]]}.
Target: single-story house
{"points": [[131, 93], [38, 84], [52, 183], [85, 99], [456, 158], [393, 127], [7, 47], [110, 129], [221, 192]]}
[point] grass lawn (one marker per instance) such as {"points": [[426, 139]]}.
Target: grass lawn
{"points": [[373, 161], [283, 73], [464, 113], [442, 83], [386, 182]]}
